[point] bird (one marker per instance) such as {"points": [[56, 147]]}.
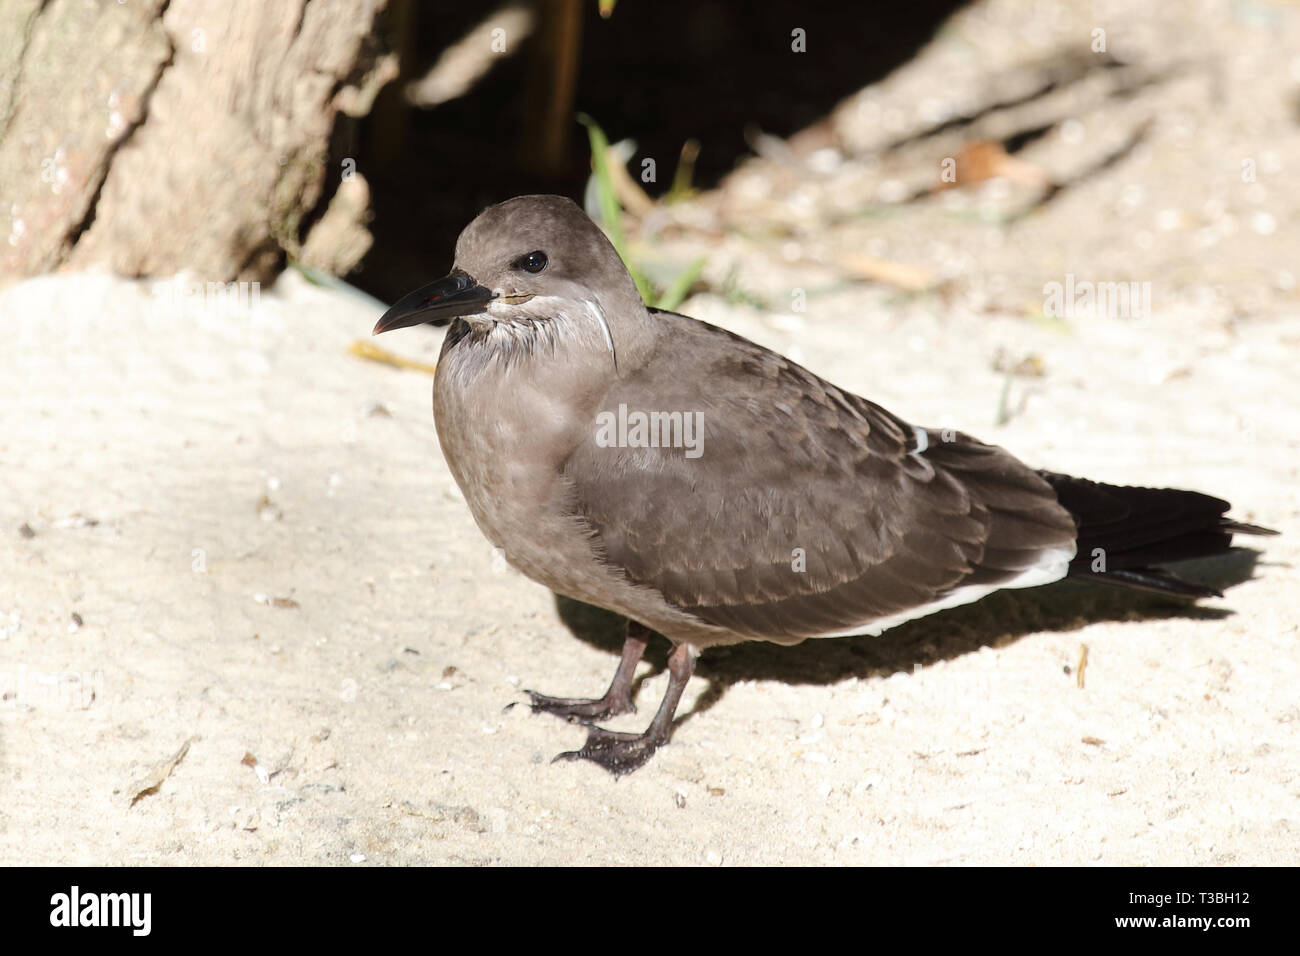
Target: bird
{"points": [[713, 491]]}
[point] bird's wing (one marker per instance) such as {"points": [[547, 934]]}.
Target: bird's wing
{"points": [[803, 510]]}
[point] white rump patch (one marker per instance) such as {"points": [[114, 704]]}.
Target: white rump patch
{"points": [[922, 440]]}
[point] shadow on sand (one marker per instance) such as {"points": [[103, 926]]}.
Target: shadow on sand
{"points": [[995, 621]]}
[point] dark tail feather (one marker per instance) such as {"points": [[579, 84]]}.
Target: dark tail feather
{"points": [[1127, 533], [1240, 527], [1151, 579]]}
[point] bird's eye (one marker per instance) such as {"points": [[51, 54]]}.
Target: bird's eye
{"points": [[533, 262]]}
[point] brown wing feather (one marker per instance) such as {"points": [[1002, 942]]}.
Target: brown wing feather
{"points": [[791, 462]]}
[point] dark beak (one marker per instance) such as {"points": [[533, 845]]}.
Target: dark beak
{"points": [[436, 303]]}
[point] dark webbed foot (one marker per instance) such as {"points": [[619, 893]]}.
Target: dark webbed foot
{"points": [[617, 700], [621, 753], [616, 752], [580, 708]]}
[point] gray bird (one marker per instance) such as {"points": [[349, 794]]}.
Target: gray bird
{"points": [[715, 492]]}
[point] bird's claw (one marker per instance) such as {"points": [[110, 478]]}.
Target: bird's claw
{"points": [[578, 709], [619, 753]]}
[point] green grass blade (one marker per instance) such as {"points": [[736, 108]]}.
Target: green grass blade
{"points": [[610, 211], [681, 285]]}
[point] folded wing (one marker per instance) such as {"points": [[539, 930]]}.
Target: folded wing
{"points": [[808, 511]]}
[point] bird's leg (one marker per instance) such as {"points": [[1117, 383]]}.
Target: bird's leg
{"points": [[617, 700], [622, 753]]}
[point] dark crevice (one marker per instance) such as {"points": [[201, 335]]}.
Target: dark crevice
{"points": [[344, 140], [297, 27], [969, 119], [1105, 162], [1069, 71], [1018, 141], [342, 145], [75, 234], [268, 248]]}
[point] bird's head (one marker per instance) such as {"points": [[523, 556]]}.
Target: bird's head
{"points": [[522, 264]]}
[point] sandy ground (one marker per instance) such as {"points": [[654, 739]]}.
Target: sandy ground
{"points": [[219, 527]]}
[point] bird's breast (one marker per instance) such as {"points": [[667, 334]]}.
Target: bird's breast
{"points": [[506, 432]]}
